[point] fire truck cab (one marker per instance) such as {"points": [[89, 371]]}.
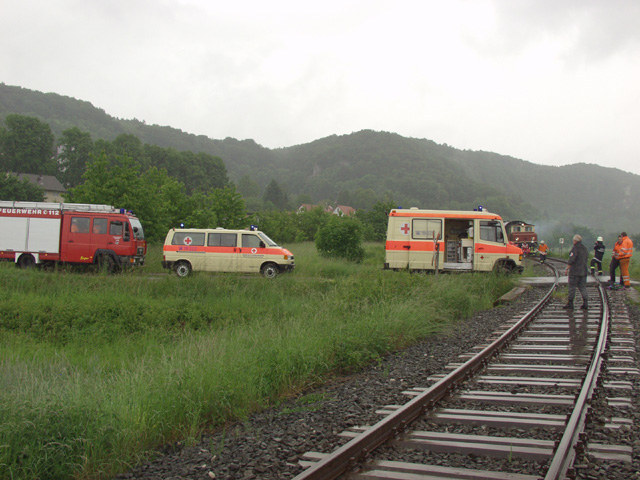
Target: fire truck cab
{"points": [[447, 240], [40, 233]]}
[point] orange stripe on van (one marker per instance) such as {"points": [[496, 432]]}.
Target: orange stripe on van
{"points": [[487, 248], [243, 250], [427, 246]]}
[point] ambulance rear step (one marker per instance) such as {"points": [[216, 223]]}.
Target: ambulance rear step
{"points": [[457, 266]]}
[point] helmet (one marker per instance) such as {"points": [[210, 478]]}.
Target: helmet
{"points": [[599, 239], [541, 241]]}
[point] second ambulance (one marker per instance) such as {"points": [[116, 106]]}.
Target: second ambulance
{"points": [[447, 240]]}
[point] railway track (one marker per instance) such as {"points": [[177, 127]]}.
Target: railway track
{"points": [[513, 408]]}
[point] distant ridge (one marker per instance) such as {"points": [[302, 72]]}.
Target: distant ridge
{"points": [[368, 164]]}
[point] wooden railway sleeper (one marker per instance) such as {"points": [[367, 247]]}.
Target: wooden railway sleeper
{"points": [[331, 465]]}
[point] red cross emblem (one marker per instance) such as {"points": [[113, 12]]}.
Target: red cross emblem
{"points": [[405, 228], [187, 240]]}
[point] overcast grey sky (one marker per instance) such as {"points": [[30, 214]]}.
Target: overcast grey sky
{"points": [[549, 81]]}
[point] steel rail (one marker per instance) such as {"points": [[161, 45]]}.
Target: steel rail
{"points": [[565, 453], [336, 463]]}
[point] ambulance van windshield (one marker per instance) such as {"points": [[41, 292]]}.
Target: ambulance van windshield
{"points": [[267, 240]]}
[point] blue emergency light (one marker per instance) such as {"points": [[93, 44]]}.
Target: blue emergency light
{"points": [[181, 225], [253, 228]]}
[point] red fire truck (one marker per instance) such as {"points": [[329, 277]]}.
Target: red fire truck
{"points": [[38, 233]]}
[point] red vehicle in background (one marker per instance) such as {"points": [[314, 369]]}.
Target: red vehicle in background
{"points": [[519, 233], [39, 233]]}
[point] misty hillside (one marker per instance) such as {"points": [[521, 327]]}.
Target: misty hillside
{"points": [[366, 166]]}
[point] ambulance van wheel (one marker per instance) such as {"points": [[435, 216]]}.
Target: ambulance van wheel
{"points": [[269, 270], [182, 269], [503, 266], [26, 261]]}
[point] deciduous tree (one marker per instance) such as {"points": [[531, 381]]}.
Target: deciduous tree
{"points": [[309, 222], [279, 225], [12, 188], [341, 237], [228, 207], [27, 146], [74, 149], [376, 219], [275, 194]]}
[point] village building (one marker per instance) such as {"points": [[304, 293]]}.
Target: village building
{"points": [[344, 211], [340, 210], [53, 189]]}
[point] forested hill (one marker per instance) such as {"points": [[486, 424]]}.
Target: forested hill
{"points": [[582, 194], [363, 167]]}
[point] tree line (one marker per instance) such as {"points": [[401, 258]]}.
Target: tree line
{"points": [[166, 188]]}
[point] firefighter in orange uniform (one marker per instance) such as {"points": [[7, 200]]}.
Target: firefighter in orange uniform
{"points": [[626, 251], [543, 249], [613, 266]]}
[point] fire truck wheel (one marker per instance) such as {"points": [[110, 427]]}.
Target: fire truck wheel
{"points": [[107, 263], [26, 261], [269, 270], [182, 269]]}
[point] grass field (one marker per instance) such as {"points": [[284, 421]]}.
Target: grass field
{"points": [[97, 370]]}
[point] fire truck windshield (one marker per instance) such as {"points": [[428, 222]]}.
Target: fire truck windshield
{"points": [[137, 228]]}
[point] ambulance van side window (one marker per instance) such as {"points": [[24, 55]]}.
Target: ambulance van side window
{"points": [[424, 229], [251, 241], [188, 238], [222, 240], [80, 224], [491, 231], [228, 239], [213, 240]]}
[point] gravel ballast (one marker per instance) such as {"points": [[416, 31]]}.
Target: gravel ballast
{"points": [[269, 444]]}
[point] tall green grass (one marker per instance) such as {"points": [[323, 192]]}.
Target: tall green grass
{"points": [[96, 370]]}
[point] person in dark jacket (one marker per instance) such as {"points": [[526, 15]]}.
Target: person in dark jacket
{"points": [[598, 253], [577, 270]]}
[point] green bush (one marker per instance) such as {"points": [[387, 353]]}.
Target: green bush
{"points": [[341, 237]]}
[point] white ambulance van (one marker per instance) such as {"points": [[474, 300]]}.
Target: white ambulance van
{"points": [[448, 240], [220, 250]]}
